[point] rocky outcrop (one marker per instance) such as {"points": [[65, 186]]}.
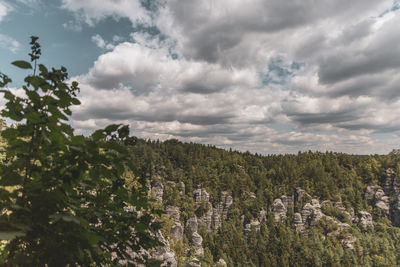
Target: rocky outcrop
{"points": [[349, 213], [279, 210], [377, 197], [364, 219], [349, 241], [206, 219], [287, 201], [392, 189], [194, 263], [197, 242], [311, 213], [298, 222], [192, 224], [177, 231], [158, 191], [173, 212], [221, 263], [301, 195], [211, 216], [254, 224], [200, 195], [164, 253]]}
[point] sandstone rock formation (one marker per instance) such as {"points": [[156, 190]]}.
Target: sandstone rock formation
{"points": [[192, 223], [254, 224], [158, 191], [279, 210], [364, 219], [173, 212], [164, 253], [197, 242], [177, 231]]}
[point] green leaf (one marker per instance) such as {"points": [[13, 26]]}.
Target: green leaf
{"points": [[112, 128], [75, 101], [10, 235], [33, 117], [22, 64], [97, 135]]}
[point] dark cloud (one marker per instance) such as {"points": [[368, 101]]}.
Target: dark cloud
{"points": [[222, 74]]}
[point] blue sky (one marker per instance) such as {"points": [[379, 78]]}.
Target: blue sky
{"points": [[261, 75]]}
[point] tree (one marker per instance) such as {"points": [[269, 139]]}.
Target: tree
{"points": [[66, 199]]}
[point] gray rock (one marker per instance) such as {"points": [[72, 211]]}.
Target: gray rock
{"points": [[216, 218], [311, 213], [164, 253], [298, 222], [173, 212], [377, 197], [301, 195], [370, 192], [158, 191], [194, 263], [206, 219], [392, 189], [221, 210], [349, 241], [254, 224], [306, 213], [287, 201], [200, 195], [365, 219], [221, 263], [262, 217], [197, 242], [279, 210], [177, 231], [192, 223]]}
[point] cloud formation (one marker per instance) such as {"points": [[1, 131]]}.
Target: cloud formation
{"points": [[265, 76]]}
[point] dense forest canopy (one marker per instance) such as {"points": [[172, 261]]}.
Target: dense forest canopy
{"points": [[254, 181]]}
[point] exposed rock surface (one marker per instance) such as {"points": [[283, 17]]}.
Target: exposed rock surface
{"points": [[197, 242], [254, 224], [298, 222], [349, 241], [287, 201], [200, 195], [158, 191], [364, 219], [301, 195], [206, 219], [173, 212], [279, 210], [377, 197], [194, 263], [192, 223], [221, 263], [177, 231], [392, 189], [164, 253], [311, 213]]}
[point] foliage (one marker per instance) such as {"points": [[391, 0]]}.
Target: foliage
{"points": [[64, 198], [327, 176]]}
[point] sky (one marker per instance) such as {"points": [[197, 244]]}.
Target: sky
{"points": [[265, 76]]}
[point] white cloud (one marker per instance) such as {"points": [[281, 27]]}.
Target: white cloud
{"points": [[6, 42], [101, 43], [4, 8], [228, 73], [93, 11]]}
